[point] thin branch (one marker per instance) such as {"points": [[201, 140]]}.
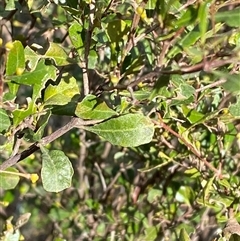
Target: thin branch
{"points": [[101, 176], [88, 38], [191, 147], [81, 168], [73, 123], [131, 37], [205, 66], [215, 84]]}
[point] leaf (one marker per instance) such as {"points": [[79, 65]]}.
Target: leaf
{"points": [[58, 54], [31, 57], [234, 109], [138, 94], [20, 114], [160, 87], [183, 235], [128, 130], [57, 170], [92, 59], [4, 120], [230, 17], [232, 84], [37, 78], [62, 93], [154, 195], [15, 59], [186, 19], [185, 194], [188, 40], [11, 5], [186, 90], [132, 65], [92, 107], [9, 180], [68, 109], [207, 189], [151, 233], [41, 124], [116, 30], [193, 116], [203, 20], [75, 32], [193, 172]]}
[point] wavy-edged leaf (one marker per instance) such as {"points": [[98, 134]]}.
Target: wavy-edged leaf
{"points": [[37, 78], [57, 170], [31, 57], [62, 93], [128, 130], [58, 54]]}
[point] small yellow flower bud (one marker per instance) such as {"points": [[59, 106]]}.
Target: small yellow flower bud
{"points": [[9, 45], [34, 177]]}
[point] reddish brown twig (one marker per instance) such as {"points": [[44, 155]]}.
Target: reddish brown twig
{"points": [[186, 143]]}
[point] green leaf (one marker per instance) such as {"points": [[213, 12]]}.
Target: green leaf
{"points": [[185, 194], [20, 114], [186, 90], [183, 235], [9, 180], [62, 93], [160, 87], [41, 124], [15, 58], [203, 20], [4, 120], [37, 78], [92, 107], [128, 130], [138, 94], [75, 32], [232, 84], [154, 195], [234, 109], [31, 57], [68, 109], [58, 54], [208, 187], [188, 40], [193, 116], [11, 5], [92, 59], [116, 30], [57, 170], [193, 172], [187, 18], [230, 17], [132, 65], [151, 233]]}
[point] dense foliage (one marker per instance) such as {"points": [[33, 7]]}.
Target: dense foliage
{"points": [[119, 120]]}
